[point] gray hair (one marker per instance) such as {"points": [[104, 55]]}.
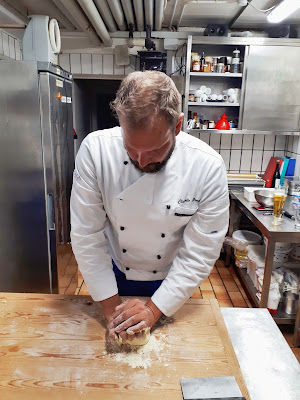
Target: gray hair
{"points": [[144, 97]]}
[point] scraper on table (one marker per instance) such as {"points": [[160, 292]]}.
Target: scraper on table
{"points": [[213, 388]]}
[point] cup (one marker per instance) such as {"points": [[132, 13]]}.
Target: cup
{"points": [[279, 200]]}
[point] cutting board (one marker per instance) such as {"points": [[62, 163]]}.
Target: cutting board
{"points": [[56, 347]]}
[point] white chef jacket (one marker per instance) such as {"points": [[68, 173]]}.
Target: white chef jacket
{"points": [[168, 225]]}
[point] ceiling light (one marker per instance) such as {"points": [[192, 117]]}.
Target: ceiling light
{"points": [[283, 10]]}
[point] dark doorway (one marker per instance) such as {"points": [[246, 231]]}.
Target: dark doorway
{"points": [[91, 100]]}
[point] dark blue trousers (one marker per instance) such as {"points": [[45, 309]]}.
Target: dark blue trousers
{"points": [[134, 288]]}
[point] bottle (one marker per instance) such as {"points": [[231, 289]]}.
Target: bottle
{"points": [[202, 62], [196, 64], [276, 177]]}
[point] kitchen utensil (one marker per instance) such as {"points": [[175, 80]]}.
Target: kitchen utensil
{"points": [[264, 197], [223, 124], [289, 302], [220, 387]]}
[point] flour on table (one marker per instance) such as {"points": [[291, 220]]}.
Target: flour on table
{"points": [[143, 356]]}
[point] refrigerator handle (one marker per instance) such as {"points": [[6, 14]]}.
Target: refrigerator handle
{"points": [[50, 211]]}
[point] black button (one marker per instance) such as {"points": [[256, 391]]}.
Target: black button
{"points": [[159, 257], [154, 272], [125, 162], [122, 228], [127, 268], [124, 250], [168, 207], [163, 235]]}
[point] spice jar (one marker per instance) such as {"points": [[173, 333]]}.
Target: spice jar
{"points": [[191, 97], [211, 124], [196, 64], [208, 64], [220, 68]]}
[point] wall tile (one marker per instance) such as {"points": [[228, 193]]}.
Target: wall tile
{"points": [[225, 154], [226, 141], [290, 140], [205, 136], [295, 144], [256, 161], [215, 139], [248, 141], [75, 63], [97, 64], [86, 63], [259, 142], [236, 141], [118, 70], [297, 168], [5, 44], [280, 142], [298, 146], [18, 50], [235, 160], [280, 153], [267, 154], [64, 61], [269, 142], [1, 43], [11, 45], [246, 160], [108, 64]]}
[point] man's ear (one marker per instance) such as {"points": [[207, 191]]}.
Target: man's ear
{"points": [[179, 124]]}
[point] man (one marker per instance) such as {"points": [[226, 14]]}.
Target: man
{"points": [[151, 198]]}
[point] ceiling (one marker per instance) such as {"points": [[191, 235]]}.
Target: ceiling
{"points": [[76, 17]]}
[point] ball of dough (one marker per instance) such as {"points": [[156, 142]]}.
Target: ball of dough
{"points": [[136, 341]]}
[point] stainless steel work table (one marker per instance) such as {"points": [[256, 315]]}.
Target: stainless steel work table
{"points": [[285, 232], [269, 367]]}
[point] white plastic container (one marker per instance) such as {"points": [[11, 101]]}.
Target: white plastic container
{"points": [[256, 259], [244, 238]]}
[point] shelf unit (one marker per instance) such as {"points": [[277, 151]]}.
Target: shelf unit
{"points": [[218, 82], [213, 104], [212, 74]]}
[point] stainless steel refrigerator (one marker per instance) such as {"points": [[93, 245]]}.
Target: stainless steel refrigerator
{"points": [[36, 166]]}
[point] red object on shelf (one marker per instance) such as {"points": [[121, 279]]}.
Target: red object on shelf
{"points": [[223, 123]]}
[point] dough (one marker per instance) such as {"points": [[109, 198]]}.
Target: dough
{"points": [[140, 341]]}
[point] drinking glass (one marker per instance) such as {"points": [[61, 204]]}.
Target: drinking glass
{"points": [[279, 200]]}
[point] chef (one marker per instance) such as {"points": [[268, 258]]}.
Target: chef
{"points": [[149, 207]]}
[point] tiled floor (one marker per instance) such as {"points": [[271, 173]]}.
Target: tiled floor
{"points": [[222, 284]]}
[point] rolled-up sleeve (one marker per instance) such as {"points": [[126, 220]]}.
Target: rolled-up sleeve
{"points": [[88, 220], [202, 241]]}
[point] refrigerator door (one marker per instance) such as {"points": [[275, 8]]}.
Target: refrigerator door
{"points": [[56, 117], [24, 263]]}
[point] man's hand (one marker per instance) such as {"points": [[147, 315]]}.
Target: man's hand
{"points": [[131, 317]]}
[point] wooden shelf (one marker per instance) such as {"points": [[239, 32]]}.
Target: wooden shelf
{"points": [[213, 104], [212, 74]]}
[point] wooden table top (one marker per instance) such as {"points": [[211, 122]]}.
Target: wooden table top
{"points": [[55, 346]]}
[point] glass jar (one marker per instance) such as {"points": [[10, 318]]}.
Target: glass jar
{"points": [[196, 64]]}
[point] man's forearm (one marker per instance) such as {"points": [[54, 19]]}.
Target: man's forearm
{"points": [[110, 304], [156, 311]]}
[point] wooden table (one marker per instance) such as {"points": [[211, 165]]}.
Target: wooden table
{"points": [[54, 346]]}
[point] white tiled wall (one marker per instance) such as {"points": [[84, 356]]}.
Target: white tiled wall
{"points": [[93, 64], [248, 152], [10, 47]]}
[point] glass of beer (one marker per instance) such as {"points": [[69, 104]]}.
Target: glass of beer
{"points": [[279, 200]]}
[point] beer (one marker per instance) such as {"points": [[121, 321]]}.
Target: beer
{"points": [[279, 200]]}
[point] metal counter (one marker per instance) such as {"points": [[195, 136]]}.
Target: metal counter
{"points": [[286, 232], [270, 369]]}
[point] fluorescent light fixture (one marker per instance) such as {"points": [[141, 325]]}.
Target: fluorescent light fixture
{"points": [[283, 10]]}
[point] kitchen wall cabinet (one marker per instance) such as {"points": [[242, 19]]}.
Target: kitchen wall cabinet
{"points": [[269, 83], [272, 89]]}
